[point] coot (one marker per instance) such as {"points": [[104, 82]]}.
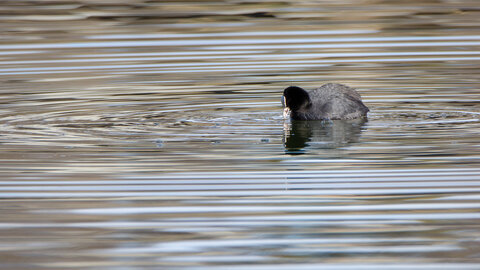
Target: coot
{"points": [[332, 101]]}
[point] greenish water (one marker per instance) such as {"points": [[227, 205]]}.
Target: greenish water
{"points": [[149, 135]]}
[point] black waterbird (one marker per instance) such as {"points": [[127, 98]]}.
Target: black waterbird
{"points": [[331, 101]]}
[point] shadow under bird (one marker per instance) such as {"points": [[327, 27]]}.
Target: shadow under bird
{"points": [[331, 101]]}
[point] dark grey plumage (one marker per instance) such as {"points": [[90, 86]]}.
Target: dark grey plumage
{"points": [[331, 101]]}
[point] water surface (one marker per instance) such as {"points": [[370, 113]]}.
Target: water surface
{"points": [[149, 135]]}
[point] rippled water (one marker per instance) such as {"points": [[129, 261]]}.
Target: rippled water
{"points": [[149, 135]]}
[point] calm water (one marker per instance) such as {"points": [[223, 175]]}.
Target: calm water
{"points": [[149, 135]]}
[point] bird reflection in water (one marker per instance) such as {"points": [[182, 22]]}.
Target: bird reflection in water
{"points": [[327, 134]]}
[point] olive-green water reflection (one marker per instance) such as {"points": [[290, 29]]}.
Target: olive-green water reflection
{"points": [[149, 135]]}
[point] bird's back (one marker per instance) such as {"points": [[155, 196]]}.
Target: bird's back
{"points": [[335, 101]]}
